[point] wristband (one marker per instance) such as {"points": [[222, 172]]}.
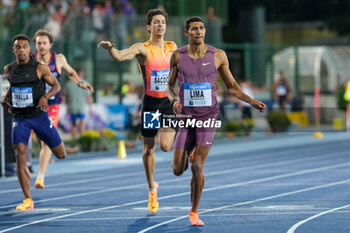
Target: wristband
{"points": [[78, 84], [109, 49]]}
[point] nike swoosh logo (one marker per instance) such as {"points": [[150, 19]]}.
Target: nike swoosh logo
{"points": [[205, 64], [208, 143]]}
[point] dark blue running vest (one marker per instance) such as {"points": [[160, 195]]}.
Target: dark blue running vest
{"points": [[56, 99]]}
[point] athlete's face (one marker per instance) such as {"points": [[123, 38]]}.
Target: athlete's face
{"points": [[158, 25], [21, 49], [196, 32], [42, 45]]}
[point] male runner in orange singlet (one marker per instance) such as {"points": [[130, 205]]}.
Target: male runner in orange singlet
{"points": [[153, 57]]}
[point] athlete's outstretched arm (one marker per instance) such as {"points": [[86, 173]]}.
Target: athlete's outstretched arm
{"points": [[171, 87], [232, 86], [44, 72], [125, 54], [72, 74]]}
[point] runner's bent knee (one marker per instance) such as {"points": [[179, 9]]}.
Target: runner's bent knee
{"points": [[165, 146], [178, 171], [59, 151]]}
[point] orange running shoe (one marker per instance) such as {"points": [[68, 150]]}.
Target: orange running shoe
{"points": [[152, 200], [39, 183], [28, 204], [192, 155], [194, 219]]}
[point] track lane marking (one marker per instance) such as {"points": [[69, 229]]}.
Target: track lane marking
{"points": [[250, 202], [206, 190], [208, 174], [298, 224]]}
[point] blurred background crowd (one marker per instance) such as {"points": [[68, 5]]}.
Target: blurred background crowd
{"points": [[279, 51]]}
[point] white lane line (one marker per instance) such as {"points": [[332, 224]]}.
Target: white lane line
{"points": [[72, 214], [295, 226], [250, 202], [173, 216], [88, 193], [205, 190], [177, 179]]}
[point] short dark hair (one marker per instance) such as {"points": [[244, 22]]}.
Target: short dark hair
{"points": [[153, 12], [43, 32], [191, 20], [20, 37]]}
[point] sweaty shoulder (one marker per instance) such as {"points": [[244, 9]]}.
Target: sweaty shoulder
{"points": [[220, 56], [219, 52], [42, 69], [140, 51], [60, 58], [9, 67], [139, 45]]}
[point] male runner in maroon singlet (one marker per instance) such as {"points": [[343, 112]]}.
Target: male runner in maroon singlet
{"points": [[196, 66]]}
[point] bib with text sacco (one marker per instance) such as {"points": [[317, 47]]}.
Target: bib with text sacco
{"points": [[22, 97], [197, 94], [159, 80]]}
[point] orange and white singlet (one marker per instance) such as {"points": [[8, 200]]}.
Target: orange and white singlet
{"points": [[156, 69]]}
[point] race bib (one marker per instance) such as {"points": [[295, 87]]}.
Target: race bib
{"points": [[22, 97], [48, 88], [159, 80], [281, 90], [197, 94]]}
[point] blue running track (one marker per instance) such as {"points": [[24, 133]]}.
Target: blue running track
{"points": [[279, 183]]}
